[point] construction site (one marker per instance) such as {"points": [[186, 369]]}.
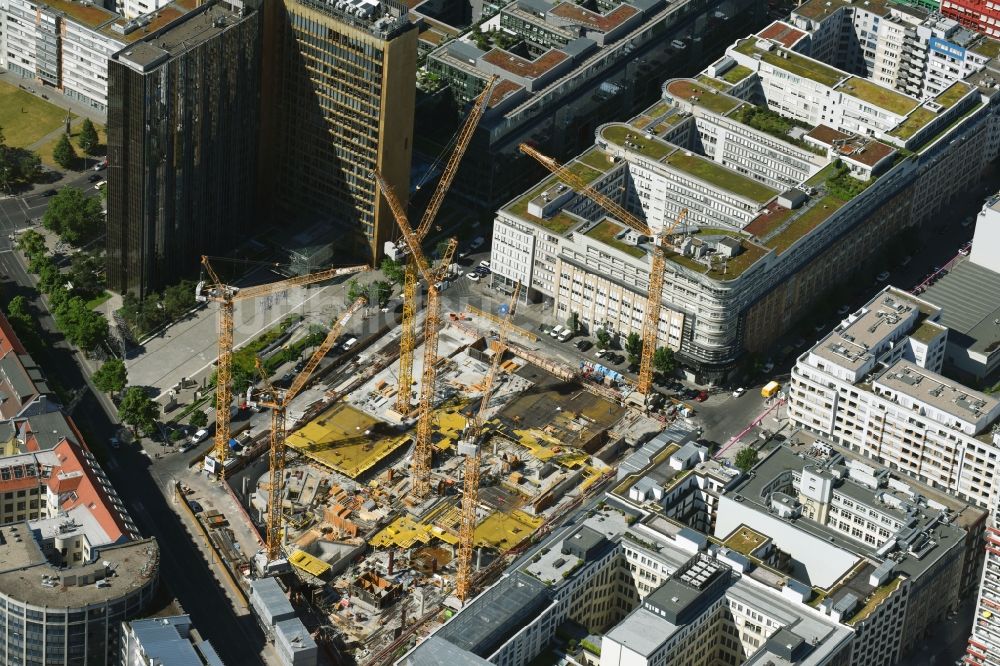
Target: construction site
{"points": [[385, 496]]}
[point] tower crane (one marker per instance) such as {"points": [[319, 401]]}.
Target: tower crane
{"points": [[470, 446], [278, 405], [432, 325], [651, 319], [406, 339], [226, 296]]}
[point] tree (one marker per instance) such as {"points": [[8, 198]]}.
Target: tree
{"points": [[81, 325], [379, 292], [31, 242], [199, 419], [64, 154], [178, 299], [355, 290], [746, 458], [88, 138], [393, 270], [603, 338], [633, 347], [573, 323], [111, 377], [74, 216], [138, 411], [24, 323], [49, 277], [663, 361], [85, 274]]}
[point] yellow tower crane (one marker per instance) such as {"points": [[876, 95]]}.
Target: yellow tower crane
{"points": [[422, 452], [470, 447], [226, 296], [278, 404], [654, 300], [406, 339]]}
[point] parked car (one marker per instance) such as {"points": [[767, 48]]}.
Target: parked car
{"points": [[768, 367], [556, 330], [473, 276], [95, 177], [702, 396], [738, 392], [485, 264], [584, 345], [883, 276], [114, 442], [199, 436], [101, 165], [100, 184], [477, 242], [843, 309], [565, 335]]}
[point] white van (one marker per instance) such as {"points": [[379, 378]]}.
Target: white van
{"points": [[350, 342], [557, 331]]}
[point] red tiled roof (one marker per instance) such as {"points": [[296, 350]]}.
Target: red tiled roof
{"points": [[532, 69], [602, 22], [89, 492], [827, 135], [782, 33], [8, 338], [23, 483], [502, 90]]}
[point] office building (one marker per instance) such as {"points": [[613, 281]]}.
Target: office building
{"points": [[975, 14], [562, 70], [182, 143], [773, 215], [873, 385], [292, 641], [983, 648], [342, 92], [165, 641]]}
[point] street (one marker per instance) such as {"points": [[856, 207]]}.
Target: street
{"points": [[183, 568]]}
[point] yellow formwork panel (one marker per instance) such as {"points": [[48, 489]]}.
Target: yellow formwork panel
{"points": [[505, 530], [308, 563], [450, 424], [336, 439]]}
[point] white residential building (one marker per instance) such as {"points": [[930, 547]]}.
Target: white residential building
{"points": [[165, 641], [873, 385]]}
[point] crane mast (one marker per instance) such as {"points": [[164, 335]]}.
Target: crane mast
{"points": [[278, 408], [408, 324], [471, 447], [226, 296], [654, 298]]}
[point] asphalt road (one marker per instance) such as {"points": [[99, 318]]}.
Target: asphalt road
{"points": [[183, 568], [17, 212]]}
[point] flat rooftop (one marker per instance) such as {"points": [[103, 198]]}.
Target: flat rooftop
{"points": [[23, 566], [872, 93], [529, 69], [89, 15], [781, 32], [820, 9], [594, 20], [938, 391], [792, 62], [179, 38], [880, 319], [969, 306]]}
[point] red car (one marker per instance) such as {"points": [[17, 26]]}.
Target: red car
{"points": [[702, 396]]}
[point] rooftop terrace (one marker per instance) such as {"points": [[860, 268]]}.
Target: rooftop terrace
{"points": [[884, 98], [792, 63], [89, 15], [697, 93], [720, 176], [606, 231]]}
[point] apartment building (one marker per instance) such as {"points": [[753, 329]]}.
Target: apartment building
{"points": [[983, 648], [165, 641], [342, 92], [182, 132], [873, 385], [768, 217], [563, 69], [913, 50]]}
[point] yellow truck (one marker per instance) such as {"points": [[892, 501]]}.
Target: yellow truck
{"points": [[770, 389]]}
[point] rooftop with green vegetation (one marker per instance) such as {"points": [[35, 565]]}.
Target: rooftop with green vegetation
{"points": [[800, 226], [794, 64], [987, 47], [765, 120], [720, 176], [914, 122], [559, 223], [618, 134], [957, 91], [691, 91], [744, 540], [605, 232], [884, 98], [878, 595], [90, 15], [713, 83], [583, 170], [596, 158], [736, 74], [926, 332], [729, 269], [658, 109], [978, 105]]}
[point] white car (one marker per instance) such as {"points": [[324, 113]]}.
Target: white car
{"points": [[199, 436], [473, 276], [484, 264], [100, 184], [738, 392]]}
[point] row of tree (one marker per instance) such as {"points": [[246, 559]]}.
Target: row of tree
{"points": [[75, 217], [82, 326], [664, 362], [18, 166], [156, 310], [65, 154]]}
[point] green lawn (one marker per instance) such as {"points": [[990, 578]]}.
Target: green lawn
{"points": [[45, 151], [988, 47], [884, 98], [558, 223], [720, 176], [794, 63], [805, 223], [97, 300], [606, 231], [582, 171], [714, 83], [596, 158], [652, 148], [25, 118]]}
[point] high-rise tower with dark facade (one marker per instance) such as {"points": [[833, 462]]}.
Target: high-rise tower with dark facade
{"points": [[183, 132], [341, 81]]}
